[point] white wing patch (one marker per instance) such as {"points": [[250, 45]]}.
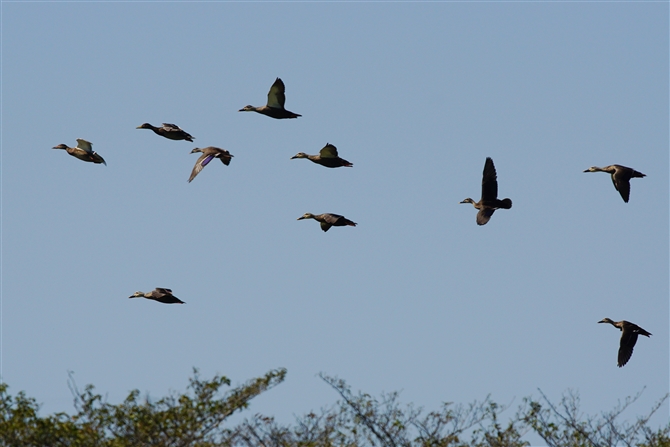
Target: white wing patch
{"points": [[85, 145]]}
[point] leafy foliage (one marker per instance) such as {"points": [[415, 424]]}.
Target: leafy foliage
{"points": [[362, 420], [562, 425], [190, 419], [196, 419]]}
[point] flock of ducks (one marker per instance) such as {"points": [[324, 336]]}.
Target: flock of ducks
{"points": [[329, 158]]}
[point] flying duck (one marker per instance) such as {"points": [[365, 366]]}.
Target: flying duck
{"points": [[328, 220], [621, 176], [83, 151], [489, 201], [327, 157], [629, 333], [275, 106], [169, 131], [159, 294], [209, 154]]}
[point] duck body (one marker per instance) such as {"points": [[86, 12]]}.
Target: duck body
{"points": [[169, 131], [489, 201], [208, 154], [621, 176], [328, 220], [275, 105], [159, 294], [629, 334], [83, 151], [327, 157]]}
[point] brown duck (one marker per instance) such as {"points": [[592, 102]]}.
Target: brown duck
{"points": [[169, 131], [489, 201], [629, 333], [208, 154], [328, 220], [83, 151], [621, 176], [159, 294], [275, 106], [327, 157]]}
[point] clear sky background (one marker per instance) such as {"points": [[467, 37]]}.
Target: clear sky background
{"points": [[417, 297]]}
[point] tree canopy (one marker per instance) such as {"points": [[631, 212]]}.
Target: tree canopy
{"points": [[197, 418]]}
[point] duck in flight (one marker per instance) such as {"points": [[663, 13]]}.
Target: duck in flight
{"points": [[489, 201], [327, 157], [621, 176], [208, 154], [169, 131], [275, 106], [328, 220], [629, 333], [83, 151], [159, 294]]}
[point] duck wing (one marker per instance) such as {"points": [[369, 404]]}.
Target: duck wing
{"points": [[484, 215], [325, 226], [276, 96], [622, 184], [628, 340], [225, 157], [328, 151], [163, 291], [489, 183], [84, 145], [98, 159], [200, 164], [331, 218]]}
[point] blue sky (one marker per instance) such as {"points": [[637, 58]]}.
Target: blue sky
{"points": [[417, 297]]}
